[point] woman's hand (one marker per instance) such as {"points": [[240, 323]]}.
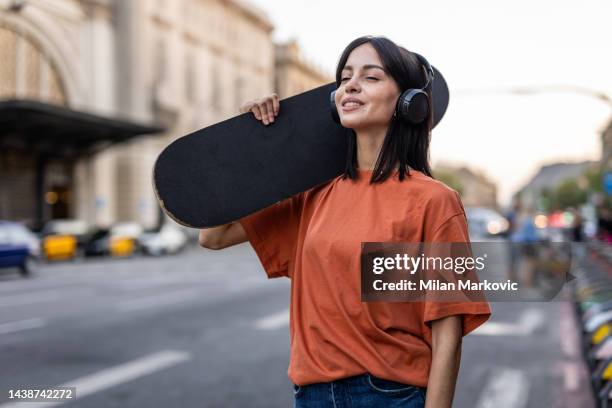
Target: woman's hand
{"points": [[264, 109]]}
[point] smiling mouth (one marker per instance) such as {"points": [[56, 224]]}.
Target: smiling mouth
{"points": [[351, 106]]}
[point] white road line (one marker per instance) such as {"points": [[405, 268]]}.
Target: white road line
{"points": [[506, 388], [571, 376], [568, 332], [113, 376], [164, 299], [29, 298], [273, 321], [12, 327], [529, 321]]}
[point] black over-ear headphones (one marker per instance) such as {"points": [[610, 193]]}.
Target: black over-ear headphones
{"points": [[412, 105]]}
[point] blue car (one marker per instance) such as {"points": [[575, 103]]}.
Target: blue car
{"points": [[14, 253]]}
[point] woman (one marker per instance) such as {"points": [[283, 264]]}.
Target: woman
{"points": [[345, 352]]}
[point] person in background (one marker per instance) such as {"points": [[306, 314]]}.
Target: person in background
{"points": [[525, 238], [512, 248], [604, 225], [577, 235]]}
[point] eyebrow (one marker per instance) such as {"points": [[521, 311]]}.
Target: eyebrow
{"points": [[367, 66]]}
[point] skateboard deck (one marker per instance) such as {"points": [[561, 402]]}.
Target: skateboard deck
{"points": [[236, 167]]}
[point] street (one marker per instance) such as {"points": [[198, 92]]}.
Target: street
{"points": [[208, 329]]}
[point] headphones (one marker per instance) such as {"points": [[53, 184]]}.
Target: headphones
{"points": [[412, 105]]}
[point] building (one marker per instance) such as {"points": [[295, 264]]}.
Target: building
{"points": [[476, 189], [123, 69], [294, 74], [549, 177]]}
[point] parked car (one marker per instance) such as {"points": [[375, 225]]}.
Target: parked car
{"points": [[97, 243], [14, 251], [120, 240], [485, 223], [170, 239], [19, 233], [64, 238], [124, 238]]}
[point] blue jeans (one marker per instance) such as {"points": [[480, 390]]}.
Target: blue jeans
{"points": [[361, 391]]}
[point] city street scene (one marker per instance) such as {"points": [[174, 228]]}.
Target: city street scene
{"points": [[107, 301]]}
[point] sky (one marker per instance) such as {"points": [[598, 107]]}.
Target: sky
{"points": [[483, 48]]}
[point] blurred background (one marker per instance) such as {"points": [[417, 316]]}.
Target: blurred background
{"points": [[99, 290]]}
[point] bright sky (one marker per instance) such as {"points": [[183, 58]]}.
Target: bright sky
{"points": [[478, 45]]}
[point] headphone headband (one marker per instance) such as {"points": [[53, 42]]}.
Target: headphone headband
{"points": [[428, 68]]}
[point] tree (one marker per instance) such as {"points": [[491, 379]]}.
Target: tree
{"points": [[449, 179], [569, 194]]}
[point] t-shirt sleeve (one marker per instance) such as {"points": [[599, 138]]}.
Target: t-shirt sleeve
{"points": [[273, 234], [453, 228]]}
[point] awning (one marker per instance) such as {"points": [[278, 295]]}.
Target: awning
{"points": [[54, 130]]}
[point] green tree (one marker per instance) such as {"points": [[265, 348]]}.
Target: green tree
{"points": [[568, 193], [449, 179]]}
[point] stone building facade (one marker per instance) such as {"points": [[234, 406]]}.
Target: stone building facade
{"points": [[477, 190], [183, 64], [294, 74]]}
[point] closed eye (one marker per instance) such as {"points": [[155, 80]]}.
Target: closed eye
{"points": [[346, 79]]}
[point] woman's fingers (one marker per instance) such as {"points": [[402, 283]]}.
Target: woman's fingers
{"points": [[270, 109], [276, 104], [256, 112], [263, 107]]}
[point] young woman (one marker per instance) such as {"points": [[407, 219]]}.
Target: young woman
{"points": [[345, 353]]}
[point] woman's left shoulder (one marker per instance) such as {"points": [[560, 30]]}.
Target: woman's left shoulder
{"points": [[435, 190]]}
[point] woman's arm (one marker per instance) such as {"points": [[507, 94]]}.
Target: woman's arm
{"points": [[446, 357], [222, 236]]}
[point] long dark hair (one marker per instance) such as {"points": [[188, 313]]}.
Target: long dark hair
{"points": [[405, 144]]}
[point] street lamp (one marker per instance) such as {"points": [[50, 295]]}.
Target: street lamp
{"points": [[532, 90]]}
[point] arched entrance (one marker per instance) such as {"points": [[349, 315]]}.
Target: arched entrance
{"points": [[27, 72]]}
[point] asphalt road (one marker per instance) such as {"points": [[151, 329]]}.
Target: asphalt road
{"points": [[208, 329]]}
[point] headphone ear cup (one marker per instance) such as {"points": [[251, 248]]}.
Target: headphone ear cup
{"points": [[334, 108], [413, 106]]}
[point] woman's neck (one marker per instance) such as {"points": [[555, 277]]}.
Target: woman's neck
{"points": [[369, 143]]}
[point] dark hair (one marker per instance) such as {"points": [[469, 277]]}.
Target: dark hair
{"points": [[404, 143]]}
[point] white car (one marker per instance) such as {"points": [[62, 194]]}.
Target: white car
{"points": [[126, 229], [169, 240], [485, 223], [20, 234]]}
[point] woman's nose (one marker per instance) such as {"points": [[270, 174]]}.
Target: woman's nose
{"points": [[352, 85]]}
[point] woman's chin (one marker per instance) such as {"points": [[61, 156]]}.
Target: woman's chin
{"points": [[351, 123]]}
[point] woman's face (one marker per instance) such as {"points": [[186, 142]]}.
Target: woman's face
{"points": [[375, 93]]}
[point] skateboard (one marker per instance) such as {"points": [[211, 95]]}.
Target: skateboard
{"points": [[233, 168]]}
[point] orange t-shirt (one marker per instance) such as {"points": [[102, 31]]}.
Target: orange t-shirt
{"points": [[314, 238]]}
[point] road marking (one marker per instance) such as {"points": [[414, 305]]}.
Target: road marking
{"points": [[12, 327], [568, 332], [273, 321], [164, 299], [29, 298], [506, 388], [113, 376], [529, 321]]}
